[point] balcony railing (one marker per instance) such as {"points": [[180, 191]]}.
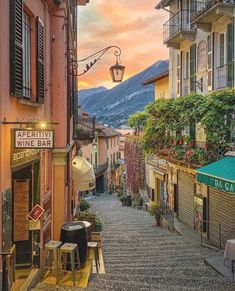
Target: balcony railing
{"points": [[178, 23], [100, 168], [84, 129], [201, 8]]}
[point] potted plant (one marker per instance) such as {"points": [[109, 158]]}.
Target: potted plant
{"points": [[155, 211], [96, 234], [123, 199], [84, 205]]}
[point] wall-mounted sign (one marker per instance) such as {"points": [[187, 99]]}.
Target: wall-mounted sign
{"points": [[33, 139], [36, 213]]}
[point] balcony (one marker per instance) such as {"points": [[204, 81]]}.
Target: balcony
{"points": [[84, 129], [100, 169], [204, 13], [177, 29]]}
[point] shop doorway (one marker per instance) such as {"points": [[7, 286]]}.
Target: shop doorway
{"points": [[22, 201], [100, 184], [26, 194]]}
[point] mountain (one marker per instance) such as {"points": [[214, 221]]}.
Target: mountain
{"points": [[113, 106]]}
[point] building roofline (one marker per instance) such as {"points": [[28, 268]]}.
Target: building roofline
{"points": [[156, 78]]}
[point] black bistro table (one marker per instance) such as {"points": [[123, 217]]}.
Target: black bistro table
{"points": [[75, 232]]}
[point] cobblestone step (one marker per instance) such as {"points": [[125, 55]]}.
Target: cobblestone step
{"points": [[140, 257]]}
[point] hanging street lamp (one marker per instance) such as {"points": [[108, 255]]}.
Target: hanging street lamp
{"points": [[116, 71]]}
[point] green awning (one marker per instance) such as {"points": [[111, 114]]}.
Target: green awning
{"points": [[220, 174]]}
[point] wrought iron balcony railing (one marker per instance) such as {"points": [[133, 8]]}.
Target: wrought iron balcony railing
{"points": [[200, 8], [180, 22], [100, 168], [84, 128]]}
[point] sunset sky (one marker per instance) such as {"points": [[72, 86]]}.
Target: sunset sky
{"points": [[133, 25]]}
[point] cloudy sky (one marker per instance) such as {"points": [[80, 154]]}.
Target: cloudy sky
{"points": [[133, 25]]}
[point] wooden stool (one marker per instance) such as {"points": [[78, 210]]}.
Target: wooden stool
{"points": [[52, 249], [94, 247], [71, 250]]}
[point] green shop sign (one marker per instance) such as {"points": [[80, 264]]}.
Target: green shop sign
{"points": [[215, 182]]}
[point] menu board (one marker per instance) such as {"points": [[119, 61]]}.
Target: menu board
{"points": [[21, 210]]}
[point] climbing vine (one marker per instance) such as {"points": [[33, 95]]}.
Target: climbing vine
{"points": [[214, 111], [135, 163]]}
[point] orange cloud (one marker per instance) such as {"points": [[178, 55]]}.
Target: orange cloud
{"points": [[135, 26]]}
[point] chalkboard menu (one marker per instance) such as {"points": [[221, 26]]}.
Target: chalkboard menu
{"points": [[21, 210]]}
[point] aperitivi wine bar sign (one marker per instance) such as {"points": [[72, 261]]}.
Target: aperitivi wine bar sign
{"points": [[33, 139]]}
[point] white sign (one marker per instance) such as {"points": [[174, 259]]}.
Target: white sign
{"points": [[34, 139]]}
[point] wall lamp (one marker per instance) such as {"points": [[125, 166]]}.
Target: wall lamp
{"points": [[116, 71]]}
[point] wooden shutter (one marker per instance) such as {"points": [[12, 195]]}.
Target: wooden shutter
{"points": [[193, 68], [179, 77], [210, 44], [16, 48], [40, 60], [230, 53]]}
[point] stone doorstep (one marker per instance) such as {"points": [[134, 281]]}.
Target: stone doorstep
{"points": [[191, 234]]}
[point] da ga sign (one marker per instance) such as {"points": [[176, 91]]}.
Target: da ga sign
{"points": [[33, 139]]}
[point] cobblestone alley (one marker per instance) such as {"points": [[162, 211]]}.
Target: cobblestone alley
{"points": [[139, 256]]}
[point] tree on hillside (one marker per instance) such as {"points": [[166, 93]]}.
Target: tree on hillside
{"points": [[137, 121]]}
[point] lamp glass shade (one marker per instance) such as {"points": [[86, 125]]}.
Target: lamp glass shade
{"points": [[117, 72]]}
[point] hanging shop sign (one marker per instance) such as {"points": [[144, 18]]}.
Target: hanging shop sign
{"points": [[227, 186], [36, 213], [33, 139]]}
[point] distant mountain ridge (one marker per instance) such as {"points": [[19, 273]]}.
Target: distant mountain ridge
{"points": [[113, 106]]}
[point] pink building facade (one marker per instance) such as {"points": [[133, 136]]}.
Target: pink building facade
{"points": [[38, 41]]}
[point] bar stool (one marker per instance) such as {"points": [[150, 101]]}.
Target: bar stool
{"points": [[70, 250], [94, 247], [52, 249]]}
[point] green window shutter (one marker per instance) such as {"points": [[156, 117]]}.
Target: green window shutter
{"points": [[40, 60], [16, 48], [210, 62], [230, 53], [193, 68]]}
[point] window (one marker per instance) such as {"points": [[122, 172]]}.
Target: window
{"points": [[187, 66], [26, 33], [26, 56], [221, 49]]}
